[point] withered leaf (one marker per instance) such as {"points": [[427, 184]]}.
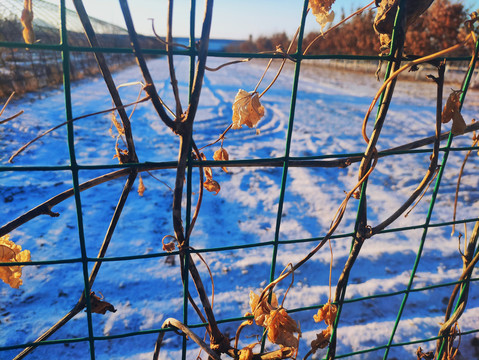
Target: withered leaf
{"points": [[141, 186], [426, 356], [452, 106], [322, 340], [221, 155], [321, 11], [121, 155], [458, 124], [118, 126], [452, 110], [11, 252], [280, 326], [327, 313], [207, 170], [247, 110], [98, 306], [27, 21], [212, 186], [169, 247], [245, 354]]}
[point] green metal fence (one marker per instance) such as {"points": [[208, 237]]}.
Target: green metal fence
{"points": [[145, 338]]}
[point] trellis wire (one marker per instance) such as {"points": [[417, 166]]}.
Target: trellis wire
{"points": [[284, 162]]}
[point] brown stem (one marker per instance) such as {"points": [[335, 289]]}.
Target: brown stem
{"points": [[158, 37], [10, 160], [281, 66], [171, 66], [114, 221], [362, 229], [470, 262], [459, 177], [200, 194], [71, 314], [82, 301], [200, 66], [173, 323], [221, 137], [105, 71], [432, 165], [150, 87]]}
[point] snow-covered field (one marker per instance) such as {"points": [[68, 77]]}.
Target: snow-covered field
{"points": [[327, 120]]}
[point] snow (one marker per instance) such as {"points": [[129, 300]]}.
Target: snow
{"points": [[327, 120]]}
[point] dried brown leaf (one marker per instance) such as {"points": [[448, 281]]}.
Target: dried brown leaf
{"points": [[245, 353], [279, 325], [322, 340], [212, 186], [221, 155], [27, 21], [321, 11], [141, 186], [260, 310], [327, 313], [452, 106], [118, 126], [281, 328], [168, 247], [11, 252], [426, 356], [458, 124], [121, 155], [247, 110], [207, 170], [98, 306]]}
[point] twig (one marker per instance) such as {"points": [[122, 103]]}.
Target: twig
{"points": [[469, 262], [423, 193], [227, 64], [11, 117], [70, 315], [282, 64], [149, 87], [5, 106], [173, 323], [163, 41], [105, 71], [459, 177], [396, 73], [220, 138], [433, 162], [10, 160], [200, 193], [362, 230], [171, 66], [82, 301], [109, 234]]}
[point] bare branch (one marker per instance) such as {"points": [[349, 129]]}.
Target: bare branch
{"points": [[105, 71], [150, 87]]}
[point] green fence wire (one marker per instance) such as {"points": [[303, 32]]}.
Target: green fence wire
{"points": [[284, 162]]}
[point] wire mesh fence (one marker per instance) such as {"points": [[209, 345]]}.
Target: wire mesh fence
{"points": [[281, 208]]}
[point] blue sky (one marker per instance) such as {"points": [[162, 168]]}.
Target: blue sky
{"points": [[232, 19]]}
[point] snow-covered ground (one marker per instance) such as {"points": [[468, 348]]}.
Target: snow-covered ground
{"points": [[328, 115]]}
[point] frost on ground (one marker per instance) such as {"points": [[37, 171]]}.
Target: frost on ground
{"points": [[327, 120]]}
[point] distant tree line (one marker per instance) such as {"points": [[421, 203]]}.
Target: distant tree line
{"points": [[439, 27]]}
